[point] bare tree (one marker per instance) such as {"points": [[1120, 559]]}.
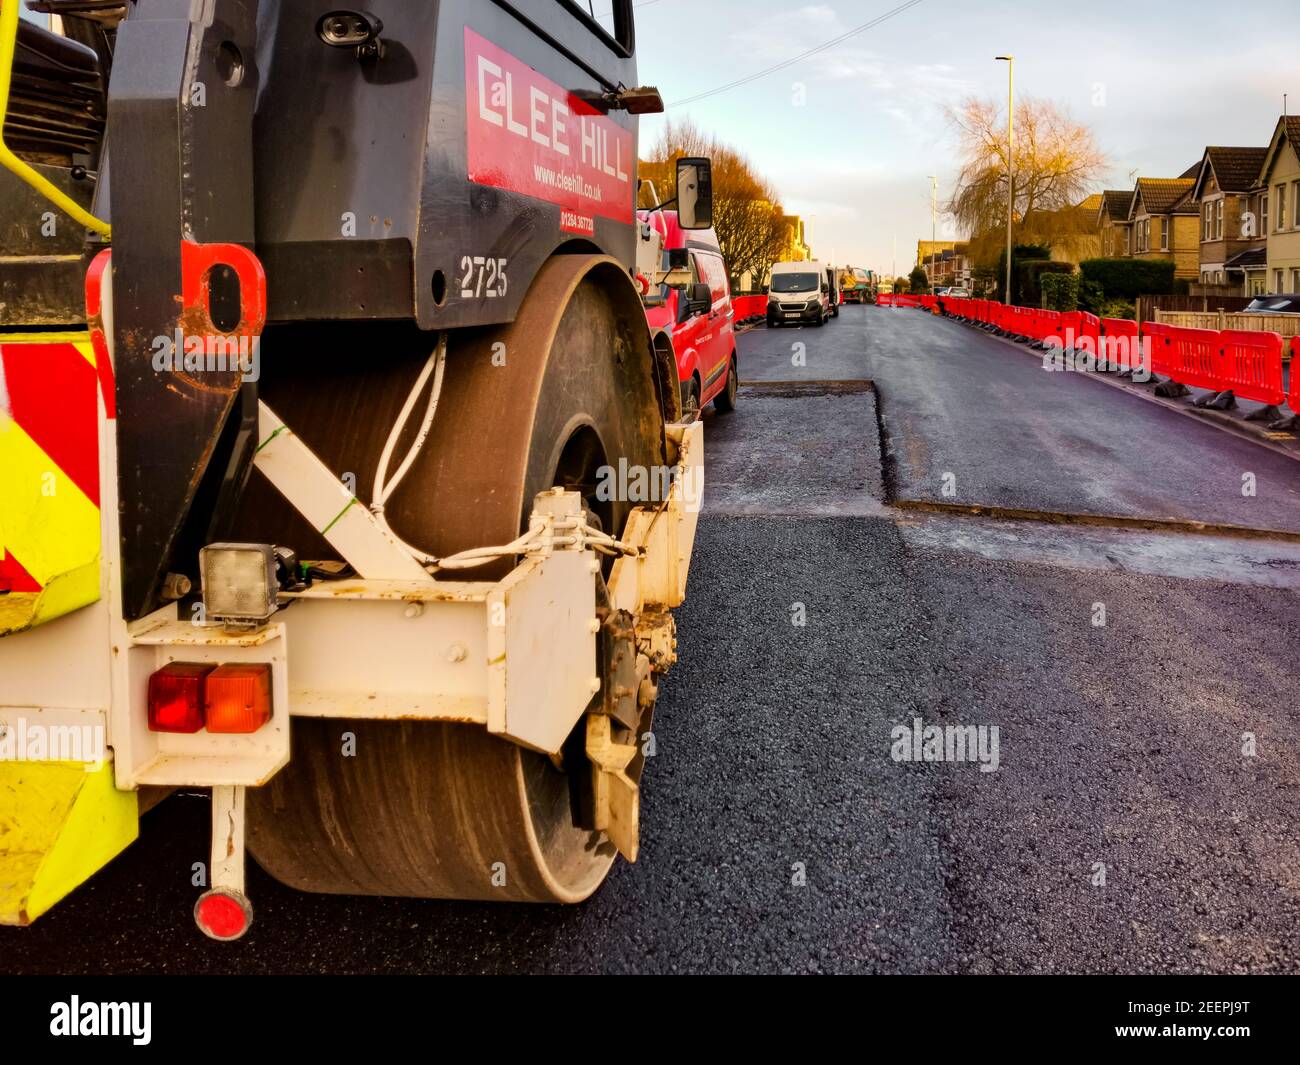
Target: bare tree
{"points": [[1057, 163], [746, 215]]}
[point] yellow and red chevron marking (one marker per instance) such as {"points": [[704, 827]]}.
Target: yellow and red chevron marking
{"points": [[49, 476]]}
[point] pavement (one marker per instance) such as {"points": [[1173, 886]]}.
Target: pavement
{"points": [[1143, 682]]}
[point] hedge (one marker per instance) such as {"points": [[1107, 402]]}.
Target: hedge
{"points": [[1029, 275], [1127, 279], [1060, 291], [1019, 254]]}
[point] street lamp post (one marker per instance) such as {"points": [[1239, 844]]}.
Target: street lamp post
{"points": [[1010, 61], [934, 204]]}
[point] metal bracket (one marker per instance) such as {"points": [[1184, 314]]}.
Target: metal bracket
{"points": [[320, 497]]}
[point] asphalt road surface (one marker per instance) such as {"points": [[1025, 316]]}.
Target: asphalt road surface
{"points": [[1142, 816]]}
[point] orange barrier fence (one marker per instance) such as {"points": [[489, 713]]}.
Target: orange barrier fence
{"points": [[1251, 364], [1246, 363], [1293, 397], [1185, 355], [1121, 344], [898, 299]]}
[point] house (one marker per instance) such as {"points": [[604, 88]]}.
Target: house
{"points": [[1166, 224], [1278, 186], [960, 274], [1113, 224], [928, 250], [797, 249], [946, 262], [1228, 204], [1252, 265], [1074, 234], [949, 267]]}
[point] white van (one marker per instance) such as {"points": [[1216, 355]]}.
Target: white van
{"points": [[799, 293]]}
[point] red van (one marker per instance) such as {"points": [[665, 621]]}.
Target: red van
{"points": [[696, 318]]}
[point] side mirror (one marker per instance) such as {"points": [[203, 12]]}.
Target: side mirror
{"points": [[700, 299], [695, 193]]}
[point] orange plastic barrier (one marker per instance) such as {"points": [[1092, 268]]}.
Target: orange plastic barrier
{"points": [[1250, 364], [1187, 356], [1247, 363], [1293, 397], [1049, 329], [1088, 335], [1121, 344]]}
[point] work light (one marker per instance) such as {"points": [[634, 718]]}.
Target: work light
{"points": [[239, 585]]}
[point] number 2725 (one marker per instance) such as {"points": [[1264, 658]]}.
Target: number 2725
{"points": [[482, 277]]}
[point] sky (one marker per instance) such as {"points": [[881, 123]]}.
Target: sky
{"points": [[851, 135]]}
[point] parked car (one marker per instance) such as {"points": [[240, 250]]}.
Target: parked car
{"points": [[1287, 304], [799, 293], [958, 293], [696, 317]]}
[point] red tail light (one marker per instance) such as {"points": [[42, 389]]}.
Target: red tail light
{"points": [[238, 698], [176, 697], [223, 915]]}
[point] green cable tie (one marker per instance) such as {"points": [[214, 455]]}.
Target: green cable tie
{"points": [[269, 439], [325, 531]]}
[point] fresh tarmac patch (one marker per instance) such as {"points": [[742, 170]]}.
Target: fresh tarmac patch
{"points": [[796, 448]]}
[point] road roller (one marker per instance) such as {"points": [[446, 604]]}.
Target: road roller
{"points": [[321, 330]]}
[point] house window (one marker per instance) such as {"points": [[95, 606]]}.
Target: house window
{"points": [[1263, 215], [1218, 221], [1206, 228], [1164, 234], [1295, 280], [1281, 208], [1277, 282], [1295, 202], [1257, 286]]}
